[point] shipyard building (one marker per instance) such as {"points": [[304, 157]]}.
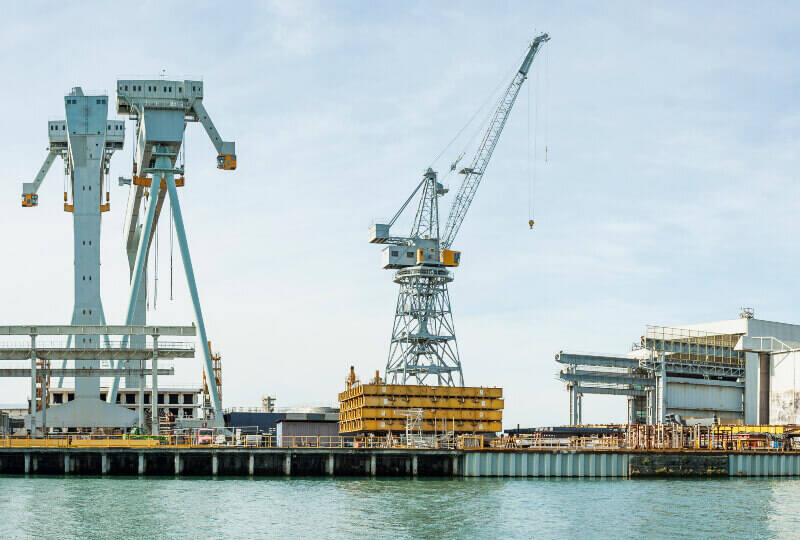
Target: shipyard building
{"points": [[740, 371]]}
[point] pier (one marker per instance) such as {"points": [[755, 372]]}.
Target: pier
{"points": [[115, 457]]}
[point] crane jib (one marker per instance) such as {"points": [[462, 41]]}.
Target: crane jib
{"points": [[474, 173]]}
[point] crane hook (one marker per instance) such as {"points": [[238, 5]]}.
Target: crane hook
{"points": [[530, 223]]}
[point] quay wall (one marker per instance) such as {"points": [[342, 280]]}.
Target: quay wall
{"points": [[392, 462]]}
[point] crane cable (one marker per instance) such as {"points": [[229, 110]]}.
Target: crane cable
{"points": [[532, 173], [502, 81]]}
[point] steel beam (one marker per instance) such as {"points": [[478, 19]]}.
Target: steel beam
{"points": [[77, 372], [596, 360], [602, 378], [92, 330], [93, 354], [180, 233], [697, 349], [610, 391]]}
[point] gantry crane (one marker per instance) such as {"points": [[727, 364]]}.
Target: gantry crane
{"points": [[423, 342], [86, 140], [161, 108]]}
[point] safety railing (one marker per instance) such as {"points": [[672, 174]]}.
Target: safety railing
{"points": [[666, 437], [222, 440]]}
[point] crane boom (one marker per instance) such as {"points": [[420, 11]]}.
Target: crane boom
{"points": [[474, 173]]}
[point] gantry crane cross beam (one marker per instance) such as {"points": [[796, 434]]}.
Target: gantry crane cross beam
{"points": [[161, 109], [423, 344]]}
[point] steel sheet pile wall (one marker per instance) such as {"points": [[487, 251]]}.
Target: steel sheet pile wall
{"points": [[380, 408], [546, 464]]}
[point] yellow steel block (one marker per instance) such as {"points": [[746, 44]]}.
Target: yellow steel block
{"points": [[398, 426], [420, 390], [427, 414], [431, 403]]}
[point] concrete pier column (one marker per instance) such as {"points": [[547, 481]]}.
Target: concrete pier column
{"points": [[33, 386], [34, 463], [287, 464], [142, 383], [214, 465], [104, 464], [373, 465], [329, 463], [141, 464], [414, 465], [27, 463], [251, 465], [454, 466], [67, 464], [177, 463], [154, 393]]}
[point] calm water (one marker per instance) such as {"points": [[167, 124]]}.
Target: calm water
{"points": [[53, 507]]}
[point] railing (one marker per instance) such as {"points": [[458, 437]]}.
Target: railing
{"points": [[636, 438], [193, 440]]}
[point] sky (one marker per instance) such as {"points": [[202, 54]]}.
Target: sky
{"points": [[669, 193]]}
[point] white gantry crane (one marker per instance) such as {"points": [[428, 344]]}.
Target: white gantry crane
{"points": [[161, 109], [423, 347]]}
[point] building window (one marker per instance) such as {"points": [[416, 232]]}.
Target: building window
{"points": [[395, 253], [103, 396], [70, 396], [173, 399], [409, 255], [147, 398], [58, 398], [160, 398], [130, 398], [188, 399]]}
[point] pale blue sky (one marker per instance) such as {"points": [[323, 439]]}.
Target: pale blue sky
{"points": [[669, 196]]}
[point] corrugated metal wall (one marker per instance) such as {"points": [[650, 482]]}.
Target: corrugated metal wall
{"points": [[764, 465], [608, 465], [702, 400], [546, 464]]}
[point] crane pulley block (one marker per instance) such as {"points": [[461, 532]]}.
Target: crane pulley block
{"points": [[29, 200], [226, 162]]}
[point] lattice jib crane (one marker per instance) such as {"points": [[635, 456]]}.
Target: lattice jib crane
{"points": [[423, 345]]}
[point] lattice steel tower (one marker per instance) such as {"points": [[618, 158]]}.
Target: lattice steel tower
{"points": [[423, 346]]}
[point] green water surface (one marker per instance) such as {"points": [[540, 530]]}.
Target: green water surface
{"points": [[342, 508]]}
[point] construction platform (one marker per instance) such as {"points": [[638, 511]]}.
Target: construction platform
{"points": [[384, 408]]}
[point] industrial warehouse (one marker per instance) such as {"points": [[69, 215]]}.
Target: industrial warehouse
{"points": [[740, 371], [714, 398]]}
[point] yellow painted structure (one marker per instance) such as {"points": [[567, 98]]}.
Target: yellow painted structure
{"points": [[381, 408], [449, 257]]}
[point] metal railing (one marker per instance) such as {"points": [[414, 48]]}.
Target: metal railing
{"points": [[666, 437], [195, 440]]}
